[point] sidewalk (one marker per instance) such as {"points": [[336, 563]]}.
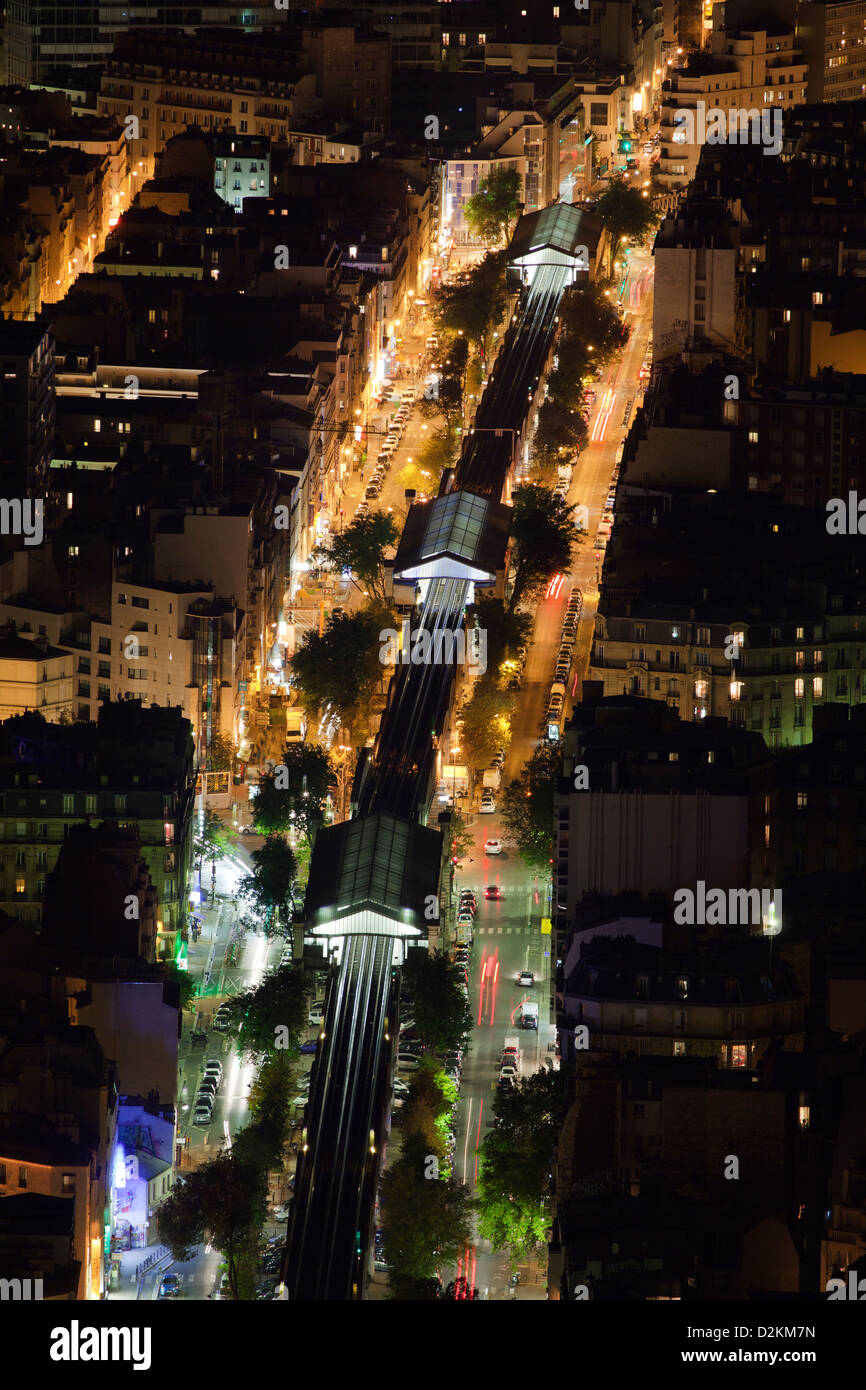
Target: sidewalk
{"points": [[134, 1265]]}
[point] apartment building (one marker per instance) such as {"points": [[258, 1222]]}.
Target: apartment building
{"points": [[833, 39], [59, 1110], [659, 802], [26, 407], [746, 71], [134, 766], [242, 167], [256, 85], [34, 676], [699, 643]]}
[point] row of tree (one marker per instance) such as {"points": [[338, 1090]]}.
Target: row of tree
{"points": [[224, 1201]]}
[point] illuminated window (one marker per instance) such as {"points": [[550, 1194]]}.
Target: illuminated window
{"points": [[818, 687], [802, 800], [20, 885], [736, 690], [168, 827], [803, 1116], [799, 688], [738, 1055]]}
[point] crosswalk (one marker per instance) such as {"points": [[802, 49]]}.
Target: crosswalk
{"points": [[507, 931]]}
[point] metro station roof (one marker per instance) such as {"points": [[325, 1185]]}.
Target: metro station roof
{"points": [[458, 535], [561, 228], [373, 875]]}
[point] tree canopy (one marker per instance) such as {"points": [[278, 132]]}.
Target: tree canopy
{"points": [[625, 213], [516, 1159], [543, 537], [271, 1019], [491, 211], [294, 794], [527, 807], [342, 666], [268, 889], [440, 1010], [360, 547]]}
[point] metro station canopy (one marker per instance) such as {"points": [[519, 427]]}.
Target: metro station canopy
{"points": [[458, 535], [555, 236], [373, 876]]}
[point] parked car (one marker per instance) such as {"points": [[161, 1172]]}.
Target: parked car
{"points": [[222, 1018], [507, 1070], [488, 806], [202, 1117], [310, 1047], [317, 1013], [505, 1083], [407, 1061]]}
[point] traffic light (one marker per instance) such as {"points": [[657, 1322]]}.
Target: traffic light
{"points": [[625, 146]]}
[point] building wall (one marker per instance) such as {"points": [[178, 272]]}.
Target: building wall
{"points": [[694, 295], [624, 841]]}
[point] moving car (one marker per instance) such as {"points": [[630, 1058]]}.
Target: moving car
{"points": [[169, 1286], [526, 977], [494, 892], [492, 847], [488, 806]]}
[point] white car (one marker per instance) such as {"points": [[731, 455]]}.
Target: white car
{"points": [[488, 805], [526, 977], [510, 1072], [492, 847], [407, 1061], [317, 1013]]}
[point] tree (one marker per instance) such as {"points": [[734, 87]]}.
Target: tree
{"points": [[516, 1158], [183, 982], [361, 548], [425, 1221], [268, 889], [447, 400], [441, 1014], [342, 666], [527, 807], [219, 753], [490, 212], [506, 630], [543, 537], [486, 721], [624, 212], [294, 794], [224, 1202], [271, 1019], [562, 432], [213, 843], [473, 302]]}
